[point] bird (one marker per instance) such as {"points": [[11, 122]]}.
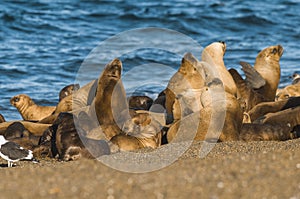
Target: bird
{"points": [[13, 152]]}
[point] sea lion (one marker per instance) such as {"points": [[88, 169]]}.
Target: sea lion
{"points": [[110, 99], [67, 141], [213, 54], [15, 130], [140, 131], [266, 132], [29, 110], [221, 116], [140, 102], [36, 129], [288, 91], [68, 90], [296, 78], [65, 105], [267, 65], [187, 82], [271, 107], [289, 116]]}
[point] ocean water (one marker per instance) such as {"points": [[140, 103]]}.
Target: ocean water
{"points": [[44, 44]]}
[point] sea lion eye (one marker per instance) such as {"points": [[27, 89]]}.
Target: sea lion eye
{"points": [[16, 99], [274, 51]]}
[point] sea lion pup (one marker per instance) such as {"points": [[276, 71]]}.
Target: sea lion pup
{"points": [[71, 143], [266, 132], [15, 130], [220, 119], [110, 100], [267, 65], [2, 119], [271, 107], [140, 131], [296, 78], [68, 90], [288, 91], [29, 110], [213, 54], [187, 82], [139, 102]]}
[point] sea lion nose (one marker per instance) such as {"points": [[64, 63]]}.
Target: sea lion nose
{"points": [[222, 42]]}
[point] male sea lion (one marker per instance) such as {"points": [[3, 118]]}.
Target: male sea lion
{"points": [[140, 131], [29, 110], [68, 90], [187, 82], [213, 54]]}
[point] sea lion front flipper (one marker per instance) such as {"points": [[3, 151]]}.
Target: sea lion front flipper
{"points": [[252, 76]]}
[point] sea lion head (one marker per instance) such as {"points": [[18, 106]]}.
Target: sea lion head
{"points": [[188, 64], [20, 100], [216, 49], [272, 53], [68, 90], [113, 69]]}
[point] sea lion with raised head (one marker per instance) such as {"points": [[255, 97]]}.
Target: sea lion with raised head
{"points": [[110, 99], [187, 82], [267, 65], [29, 110], [213, 54]]}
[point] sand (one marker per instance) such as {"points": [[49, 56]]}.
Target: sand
{"points": [[230, 170]]}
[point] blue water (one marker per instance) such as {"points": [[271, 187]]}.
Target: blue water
{"points": [[43, 43]]}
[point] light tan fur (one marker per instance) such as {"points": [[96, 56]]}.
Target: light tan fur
{"points": [[213, 54], [29, 110]]}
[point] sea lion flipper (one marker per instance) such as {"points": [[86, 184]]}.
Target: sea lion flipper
{"points": [[252, 76]]}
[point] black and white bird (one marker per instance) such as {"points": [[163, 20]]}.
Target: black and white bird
{"points": [[13, 152]]}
